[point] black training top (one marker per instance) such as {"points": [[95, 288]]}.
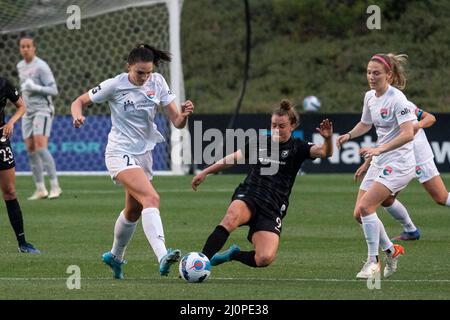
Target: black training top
{"points": [[7, 92], [286, 161]]}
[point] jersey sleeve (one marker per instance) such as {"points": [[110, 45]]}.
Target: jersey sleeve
{"points": [[366, 117], [166, 94], [304, 150], [11, 92], [47, 80], [404, 111], [103, 92]]}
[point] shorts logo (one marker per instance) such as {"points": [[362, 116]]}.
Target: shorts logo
{"points": [[387, 170], [418, 170], [384, 112], [284, 153]]}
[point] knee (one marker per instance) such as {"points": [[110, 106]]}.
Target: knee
{"points": [[151, 201], [9, 192], [264, 260], [441, 199], [363, 210], [231, 220]]}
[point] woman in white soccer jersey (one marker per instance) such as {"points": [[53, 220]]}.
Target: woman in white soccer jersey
{"points": [[392, 167], [426, 172], [38, 86], [133, 98]]}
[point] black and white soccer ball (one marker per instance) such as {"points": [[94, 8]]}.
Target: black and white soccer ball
{"points": [[311, 104]]}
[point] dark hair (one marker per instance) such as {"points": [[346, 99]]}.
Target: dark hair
{"points": [[146, 53], [285, 108], [27, 36]]}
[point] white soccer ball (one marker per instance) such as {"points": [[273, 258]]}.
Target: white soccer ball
{"points": [[311, 104], [195, 267]]}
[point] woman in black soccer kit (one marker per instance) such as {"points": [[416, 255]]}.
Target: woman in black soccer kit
{"points": [[261, 201], [7, 164]]}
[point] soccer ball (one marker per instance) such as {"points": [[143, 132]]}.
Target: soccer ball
{"points": [[195, 267], [311, 104]]}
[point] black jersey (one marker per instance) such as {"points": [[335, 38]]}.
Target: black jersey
{"points": [[7, 92], [274, 190]]}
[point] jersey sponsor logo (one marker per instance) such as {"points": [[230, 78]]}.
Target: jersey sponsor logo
{"points": [[405, 111], [419, 170], [384, 113], [387, 170], [284, 153], [129, 104]]}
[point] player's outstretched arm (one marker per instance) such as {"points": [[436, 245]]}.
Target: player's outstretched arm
{"points": [[220, 165], [326, 149], [360, 129], [77, 107]]}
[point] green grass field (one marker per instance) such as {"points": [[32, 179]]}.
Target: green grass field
{"points": [[321, 249]]}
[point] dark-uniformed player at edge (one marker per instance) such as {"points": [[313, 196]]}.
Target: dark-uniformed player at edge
{"points": [[262, 200], [7, 163]]}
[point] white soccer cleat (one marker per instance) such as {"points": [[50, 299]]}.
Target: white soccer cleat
{"points": [[392, 260], [55, 193], [39, 195], [369, 270]]}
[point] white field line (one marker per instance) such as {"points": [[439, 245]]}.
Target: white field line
{"points": [[231, 279]]}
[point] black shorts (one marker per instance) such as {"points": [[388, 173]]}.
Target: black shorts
{"points": [[264, 218], [6, 156]]}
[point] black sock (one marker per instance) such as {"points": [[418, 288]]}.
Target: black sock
{"points": [[246, 257], [215, 241], [15, 217]]}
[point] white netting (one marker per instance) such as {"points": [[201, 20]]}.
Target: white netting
{"points": [[81, 58]]}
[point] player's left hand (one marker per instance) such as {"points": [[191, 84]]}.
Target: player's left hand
{"points": [[199, 178], [8, 130], [187, 108], [369, 152], [325, 129]]}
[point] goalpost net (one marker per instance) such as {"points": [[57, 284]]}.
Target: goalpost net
{"points": [[80, 58]]}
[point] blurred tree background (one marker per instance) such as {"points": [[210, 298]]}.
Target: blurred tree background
{"points": [[311, 47]]}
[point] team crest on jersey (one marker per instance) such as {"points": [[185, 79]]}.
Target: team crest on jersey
{"points": [[384, 112], [284, 153], [150, 94], [418, 170], [387, 170]]}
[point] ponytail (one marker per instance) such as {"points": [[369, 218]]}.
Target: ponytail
{"points": [[394, 63], [285, 108], [146, 53]]}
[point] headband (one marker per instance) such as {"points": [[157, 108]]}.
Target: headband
{"points": [[383, 60]]}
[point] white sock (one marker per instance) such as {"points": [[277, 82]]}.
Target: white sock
{"points": [[385, 242], [399, 213], [54, 184], [153, 229], [371, 229], [447, 203], [123, 232], [40, 186]]}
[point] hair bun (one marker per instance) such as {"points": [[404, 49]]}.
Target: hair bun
{"points": [[285, 105]]}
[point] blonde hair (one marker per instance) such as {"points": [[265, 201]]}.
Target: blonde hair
{"points": [[394, 63], [285, 108]]}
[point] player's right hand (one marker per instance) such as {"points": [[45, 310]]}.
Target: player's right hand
{"points": [[78, 121], [199, 178]]}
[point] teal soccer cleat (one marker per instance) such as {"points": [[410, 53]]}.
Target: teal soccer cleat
{"points": [[172, 256], [115, 264], [225, 256]]}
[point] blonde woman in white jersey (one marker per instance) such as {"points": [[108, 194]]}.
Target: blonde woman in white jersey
{"points": [[392, 167], [426, 172], [133, 98]]}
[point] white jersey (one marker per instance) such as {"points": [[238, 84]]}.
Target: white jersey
{"points": [[133, 110], [422, 148], [387, 113]]}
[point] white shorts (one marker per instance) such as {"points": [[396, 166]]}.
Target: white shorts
{"points": [[119, 161], [426, 171], [390, 176], [38, 125]]}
